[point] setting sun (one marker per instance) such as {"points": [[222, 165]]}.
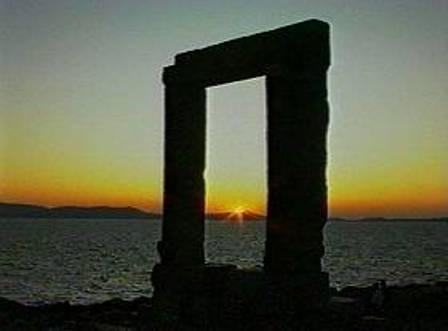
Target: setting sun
{"points": [[237, 214]]}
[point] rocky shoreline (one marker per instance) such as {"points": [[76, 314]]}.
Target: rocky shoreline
{"points": [[412, 307]]}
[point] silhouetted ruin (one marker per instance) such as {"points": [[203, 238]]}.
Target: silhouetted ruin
{"points": [[294, 59]]}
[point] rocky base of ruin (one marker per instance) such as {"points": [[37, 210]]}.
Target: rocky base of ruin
{"points": [[412, 307]]}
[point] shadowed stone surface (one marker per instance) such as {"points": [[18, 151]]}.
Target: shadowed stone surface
{"points": [[183, 211], [294, 60], [297, 201]]}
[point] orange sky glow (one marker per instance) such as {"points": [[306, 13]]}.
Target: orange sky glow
{"points": [[81, 103]]}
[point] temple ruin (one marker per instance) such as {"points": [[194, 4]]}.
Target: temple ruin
{"points": [[294, 59]]}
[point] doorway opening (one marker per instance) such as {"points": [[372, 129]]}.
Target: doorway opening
{"points": [[235, 175]]}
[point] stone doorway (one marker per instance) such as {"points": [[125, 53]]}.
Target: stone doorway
{"points": [[294, 61]]}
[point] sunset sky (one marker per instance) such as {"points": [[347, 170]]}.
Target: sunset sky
{"points": [[81, 102]]}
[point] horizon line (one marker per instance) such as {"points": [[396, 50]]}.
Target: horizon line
{"points": [[221, 212]]}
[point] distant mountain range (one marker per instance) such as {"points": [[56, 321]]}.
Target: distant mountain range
{"points": [[33, 211], [12, 210]]}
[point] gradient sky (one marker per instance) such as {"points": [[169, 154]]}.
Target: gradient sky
{"points": [[81, 102]]}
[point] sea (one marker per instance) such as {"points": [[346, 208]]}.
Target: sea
{"points": [[84, 261]]}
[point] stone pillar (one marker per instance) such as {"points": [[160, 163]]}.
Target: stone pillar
{"points": [[183, 211], [297, 193]]}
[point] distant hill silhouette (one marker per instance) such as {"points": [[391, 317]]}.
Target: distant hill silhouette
{"points": [[33, 211]]}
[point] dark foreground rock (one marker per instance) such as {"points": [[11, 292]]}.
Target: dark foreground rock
{"points": [[413, 307]]}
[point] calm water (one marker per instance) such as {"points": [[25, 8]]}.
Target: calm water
{"points": [[85, 261]]}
